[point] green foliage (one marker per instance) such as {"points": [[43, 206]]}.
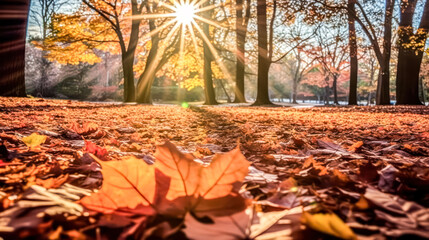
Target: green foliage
{"points": [[73, 87]]}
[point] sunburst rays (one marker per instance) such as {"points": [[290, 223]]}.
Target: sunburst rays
{"points": [[184, 15]]}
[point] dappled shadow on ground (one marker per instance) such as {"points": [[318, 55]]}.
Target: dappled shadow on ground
{"points": [[219, 129]]}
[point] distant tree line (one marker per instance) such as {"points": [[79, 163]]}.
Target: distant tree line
{"points": [[329, 48]]}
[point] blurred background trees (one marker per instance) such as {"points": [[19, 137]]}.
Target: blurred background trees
{"points": [[322, 51]]}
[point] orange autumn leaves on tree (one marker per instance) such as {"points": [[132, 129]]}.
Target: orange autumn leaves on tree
{"points": [[77, 38], [80, 37], [185, 68], [174, 185]]}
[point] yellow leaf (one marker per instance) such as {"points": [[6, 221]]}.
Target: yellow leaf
{"points": [[34, 140], [362, 203], [328, 223]]}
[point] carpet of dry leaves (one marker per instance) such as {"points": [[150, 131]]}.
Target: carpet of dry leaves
{"points": [[315, 173]]}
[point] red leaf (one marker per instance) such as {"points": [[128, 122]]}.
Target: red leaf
{"points": [[100, 152]]}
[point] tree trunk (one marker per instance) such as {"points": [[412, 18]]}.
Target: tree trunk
{"points": [[209, 92], [327, 95], [127, 68], [371, 81], [156, 59], [334, 86], [294, 90], [422, 91], [228, 98], [262, 96], [297, 77], [128, 57], [43, 75], [145, 96], [12, 47], [239, 71], [144, 85], [369, 98], [407, 85], [410, 58], [241, 31], [383, 88], [353, 54]]}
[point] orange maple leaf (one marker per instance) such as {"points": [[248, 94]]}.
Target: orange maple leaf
{"points": [[180, 167], [174, 185], [225, 174], [126, 184], [202, 189]]}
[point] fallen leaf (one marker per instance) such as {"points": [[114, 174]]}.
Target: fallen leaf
{"points": [[276, 224], [174, 185], [328, 147], [387, 178], [181, 168], [362, 204], [247, 224], [257, 176], [126, 184], [204, 151], [288, 184], [52, 182], [87, 128], [308, 162], [92, 148], [55, 234], [34, 140], [328, 144], [10, 138], [425, 135], [299, 143], [226, 227], [311, 162], [356, 146], [328, 223], [341, 176], [192, 181], [225, 173]]}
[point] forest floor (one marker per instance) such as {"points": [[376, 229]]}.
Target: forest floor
{"points": [[319, 172]]}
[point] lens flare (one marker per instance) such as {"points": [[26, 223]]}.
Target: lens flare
{"points": [[185, 105]]}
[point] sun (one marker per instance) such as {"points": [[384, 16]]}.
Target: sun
{"points": [[184, 17], [185, 13]]}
